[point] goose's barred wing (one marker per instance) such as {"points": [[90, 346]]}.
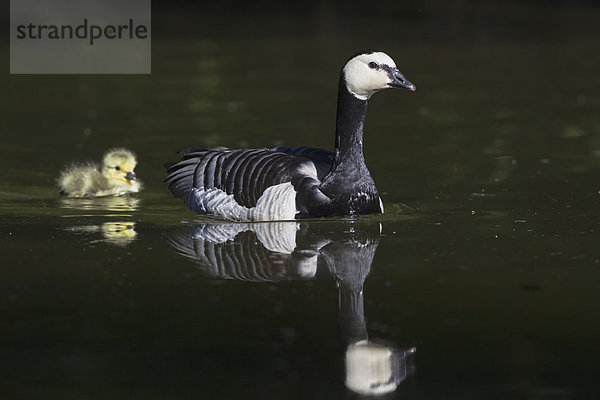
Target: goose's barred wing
{"points": [[245, 174], [322, 159]]}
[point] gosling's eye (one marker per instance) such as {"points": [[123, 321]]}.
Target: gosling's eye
{"points": [[373, 65], [118, 168]]}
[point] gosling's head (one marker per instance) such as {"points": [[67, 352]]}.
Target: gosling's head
{"points": [[371, 71], [118, 166]]}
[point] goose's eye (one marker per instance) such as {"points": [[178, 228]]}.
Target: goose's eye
{"points": [[373, 65], [118, 168]]}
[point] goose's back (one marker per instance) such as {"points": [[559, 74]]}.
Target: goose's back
{"points": [[322, 159]]}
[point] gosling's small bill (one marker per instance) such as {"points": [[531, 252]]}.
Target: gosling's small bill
{"points": [[114, 177]]}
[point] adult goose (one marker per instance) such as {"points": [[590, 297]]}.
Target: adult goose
{"points": [[288, 182]]}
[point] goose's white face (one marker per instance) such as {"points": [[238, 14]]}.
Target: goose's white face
{"points": [[366, 74]]}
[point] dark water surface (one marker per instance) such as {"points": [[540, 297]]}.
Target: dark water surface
{"points": [[481, 280]]}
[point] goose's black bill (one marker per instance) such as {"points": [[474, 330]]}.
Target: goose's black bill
{"points": [[399, 81]]}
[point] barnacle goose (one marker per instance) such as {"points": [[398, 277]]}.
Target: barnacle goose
{"points": [[289, 182]]}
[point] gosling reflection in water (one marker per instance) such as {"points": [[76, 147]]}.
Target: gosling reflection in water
{"points": [[113, 203], [278, 251], [119, 233]]}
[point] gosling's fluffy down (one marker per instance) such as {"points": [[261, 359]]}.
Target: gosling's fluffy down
{"points": [[114, 177]]}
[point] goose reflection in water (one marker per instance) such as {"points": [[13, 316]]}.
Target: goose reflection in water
{"points": [[280, 251]]}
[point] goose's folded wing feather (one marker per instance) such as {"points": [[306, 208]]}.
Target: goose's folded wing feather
{"points": [[246, 174]]}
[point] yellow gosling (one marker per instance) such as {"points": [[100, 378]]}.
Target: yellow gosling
{"points": [[114, 177]]}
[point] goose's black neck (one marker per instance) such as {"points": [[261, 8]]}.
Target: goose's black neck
{"points": [[350, 122], [348, 184]]}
